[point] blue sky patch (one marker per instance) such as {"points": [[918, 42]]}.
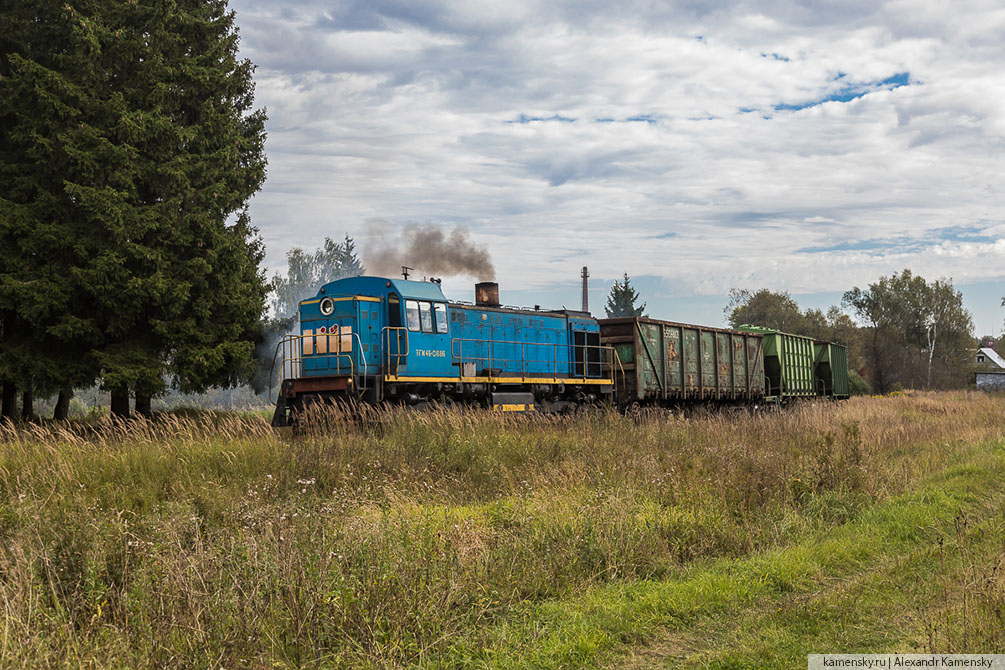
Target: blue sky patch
{"points": [[523, 118], [874, 245], [963, 234], [851, 92], [903, 243], [640, 118]]}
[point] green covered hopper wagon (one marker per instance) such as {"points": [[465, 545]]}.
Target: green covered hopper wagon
{"points": [[831, 362], [796, 366]]}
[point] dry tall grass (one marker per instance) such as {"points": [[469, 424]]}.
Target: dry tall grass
{"points": [[211, 540]]}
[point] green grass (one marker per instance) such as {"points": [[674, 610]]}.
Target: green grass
{"points": [[844, 590], [452, 539]]}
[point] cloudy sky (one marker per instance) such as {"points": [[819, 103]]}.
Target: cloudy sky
{"points": [[699, 146]]}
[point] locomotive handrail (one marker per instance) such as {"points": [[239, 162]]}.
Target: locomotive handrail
{"points": [[295, 342], [456, 351], [362, 355], [617, 358], [294, 362], [386, 330]]}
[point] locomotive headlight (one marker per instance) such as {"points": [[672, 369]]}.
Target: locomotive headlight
{"points": [[327, 306]]}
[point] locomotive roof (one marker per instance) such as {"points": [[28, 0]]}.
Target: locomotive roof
{"points": [[381, 286], [574, 314], [419, 290]]}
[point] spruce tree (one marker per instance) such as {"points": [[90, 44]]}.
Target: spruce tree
{"points": [[622, 298], [350, 265], [45, 345], [131, 148]]}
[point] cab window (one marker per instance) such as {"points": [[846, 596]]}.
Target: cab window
{"points": [[426, 317], [441, 317], [412, 314]]}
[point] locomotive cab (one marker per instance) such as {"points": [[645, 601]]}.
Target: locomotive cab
{"points": [[362, 326]]}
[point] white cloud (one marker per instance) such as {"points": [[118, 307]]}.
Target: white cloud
{"points": [[408, 113]]}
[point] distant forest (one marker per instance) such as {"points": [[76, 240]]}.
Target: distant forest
{"points": [[901, 331]]}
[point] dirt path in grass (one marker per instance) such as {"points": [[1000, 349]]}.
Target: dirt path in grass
{"points": [[877, 584], [909, 600]]}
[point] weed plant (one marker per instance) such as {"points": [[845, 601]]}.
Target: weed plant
{"points": [[376, 539]]}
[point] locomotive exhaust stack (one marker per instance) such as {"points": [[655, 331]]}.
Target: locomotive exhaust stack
{"points": [[487, 294]]}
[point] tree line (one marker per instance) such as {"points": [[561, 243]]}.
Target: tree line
{"points": [[903, 331]]}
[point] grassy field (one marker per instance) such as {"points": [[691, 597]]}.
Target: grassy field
{"points": [[467, 539]]}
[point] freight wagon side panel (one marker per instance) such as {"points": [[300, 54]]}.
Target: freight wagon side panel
{"points": [[839, 368], [674, 365], [676, 351], [755, 363], [690, 362], [692, 358], [797, 355], [707, 361], [678, 365], [738, 364], [653, 369], [723, 365]]}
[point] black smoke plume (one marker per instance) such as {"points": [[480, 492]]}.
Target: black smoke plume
{"points": [[429, 249]]}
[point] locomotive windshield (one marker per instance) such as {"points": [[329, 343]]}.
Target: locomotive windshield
{"points": [[426, 317], [412, 314], [441, 317]]}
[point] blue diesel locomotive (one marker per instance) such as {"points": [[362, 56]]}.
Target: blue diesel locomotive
{"points": [[380, 340]]}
